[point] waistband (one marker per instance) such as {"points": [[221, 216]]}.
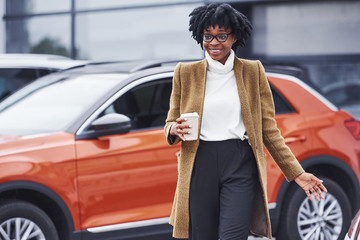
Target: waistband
{"points": [[228, 142]]}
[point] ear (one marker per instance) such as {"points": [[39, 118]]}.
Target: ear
{"points": [[234, 39]]}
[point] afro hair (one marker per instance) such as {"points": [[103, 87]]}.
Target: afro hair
{"points": [[223, 15]]}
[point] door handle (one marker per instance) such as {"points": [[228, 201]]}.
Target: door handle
{"points": [[293, 139]]}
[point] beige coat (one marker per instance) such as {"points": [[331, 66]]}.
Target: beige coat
{"points": [[258, 113]]}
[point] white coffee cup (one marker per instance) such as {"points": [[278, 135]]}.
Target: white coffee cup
{"points": [[193, 120]]}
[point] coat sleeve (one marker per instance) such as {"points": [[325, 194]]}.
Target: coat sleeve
{"points": [[174, 108], [272, 138]]}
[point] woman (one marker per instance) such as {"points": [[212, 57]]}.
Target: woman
{"points": [[221, 190]]}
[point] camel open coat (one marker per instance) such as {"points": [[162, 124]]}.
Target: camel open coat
{"points": [[257, 109]]}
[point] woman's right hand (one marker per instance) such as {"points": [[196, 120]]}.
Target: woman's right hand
{"points": [[178, 128]]}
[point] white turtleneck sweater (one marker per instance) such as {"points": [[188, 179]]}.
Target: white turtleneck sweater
{"points": [[221, 118]]}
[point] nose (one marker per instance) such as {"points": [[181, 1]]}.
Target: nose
{"points": [[214, 41]]}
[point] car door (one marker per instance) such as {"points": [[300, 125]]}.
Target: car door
{"points": [[130, 177]]}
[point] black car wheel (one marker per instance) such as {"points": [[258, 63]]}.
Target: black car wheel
{"points": [[22, 220], [302, 219]]}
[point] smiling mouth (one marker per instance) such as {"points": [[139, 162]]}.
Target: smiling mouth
{"points": [[214, 50]]}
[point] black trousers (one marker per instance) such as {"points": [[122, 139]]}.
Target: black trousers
{"points": [[222, 190]]}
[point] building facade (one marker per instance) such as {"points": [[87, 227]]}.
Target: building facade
{"points": [[321, 37], [100, 30]]}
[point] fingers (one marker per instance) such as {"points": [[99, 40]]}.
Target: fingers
{"points": [[176, 131], [181, 136], [180, 120], [323, 187], [308, 194], [311, 192], [180, 129], [311, 185], [319, 192], [183, 131], [319, 184], [180, 133], [316, 194], [317, 180], [315, 190]]}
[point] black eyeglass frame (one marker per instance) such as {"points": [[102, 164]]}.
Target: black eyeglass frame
{"points": [[216, 36]]}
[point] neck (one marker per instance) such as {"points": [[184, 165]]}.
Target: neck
{"points": [[223, 61], [219, 67]]}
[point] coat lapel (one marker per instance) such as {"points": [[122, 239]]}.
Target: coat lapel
{"points": [[244, 102], [200, 80]]}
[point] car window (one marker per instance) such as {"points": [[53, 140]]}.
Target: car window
{"points": [[12, 79], [282, 106], [146, 105], [344, 95], [43, 72]]}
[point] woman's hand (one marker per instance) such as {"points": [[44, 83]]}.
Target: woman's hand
{"points": [[177, 128], [311, 184]]}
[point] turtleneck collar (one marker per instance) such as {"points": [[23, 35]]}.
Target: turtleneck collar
{"points": [[218, 67]]}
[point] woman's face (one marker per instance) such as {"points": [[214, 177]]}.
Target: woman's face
{"points": [[217, 50]]}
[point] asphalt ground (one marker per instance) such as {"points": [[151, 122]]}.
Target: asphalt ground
{"points": [[257, 238]]}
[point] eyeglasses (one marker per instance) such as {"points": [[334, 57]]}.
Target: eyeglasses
{"points": [[222, 37]]}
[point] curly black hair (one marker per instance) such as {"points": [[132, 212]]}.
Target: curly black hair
{"points": [[224, 15]]}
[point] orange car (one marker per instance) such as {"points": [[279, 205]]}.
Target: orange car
{"points": [[83, 156]]}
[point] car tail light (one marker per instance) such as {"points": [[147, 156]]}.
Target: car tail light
{"points": [[354, 127], [351, 229]]}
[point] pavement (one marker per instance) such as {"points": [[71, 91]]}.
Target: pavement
{"points": [[258, 238]]}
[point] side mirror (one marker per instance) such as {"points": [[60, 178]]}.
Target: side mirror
{"points": [[109, 124]]}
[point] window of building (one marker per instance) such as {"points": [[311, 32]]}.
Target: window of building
{"points": [[102, 30], [18, 7], [43, 34], [321, 37], [96, 4], [145, 33], [306, 28]]}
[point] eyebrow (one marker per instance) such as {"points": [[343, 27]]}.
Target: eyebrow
{"points": [[220, 30]]}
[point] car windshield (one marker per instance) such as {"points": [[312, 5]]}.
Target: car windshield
{"points": [[53, 107]]}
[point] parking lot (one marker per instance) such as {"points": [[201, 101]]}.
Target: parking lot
{"points": [[257, 238]]}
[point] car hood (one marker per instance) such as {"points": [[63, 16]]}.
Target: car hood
{"points": [[8, 139], [13, 144]]}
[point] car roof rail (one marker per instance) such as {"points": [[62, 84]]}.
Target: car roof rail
{"points": [[292, 70], [7, 56], [133, 66], [159, 63], [138, 64], [93, 63], [106, 62]]}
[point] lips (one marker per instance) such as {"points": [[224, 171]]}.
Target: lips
{"points": [[214, 51]]}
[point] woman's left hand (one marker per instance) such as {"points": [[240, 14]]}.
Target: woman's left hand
{"points": [[311, 184]]}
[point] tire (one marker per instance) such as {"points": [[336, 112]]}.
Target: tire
{"points": [[304, 219], [22, 220]]}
